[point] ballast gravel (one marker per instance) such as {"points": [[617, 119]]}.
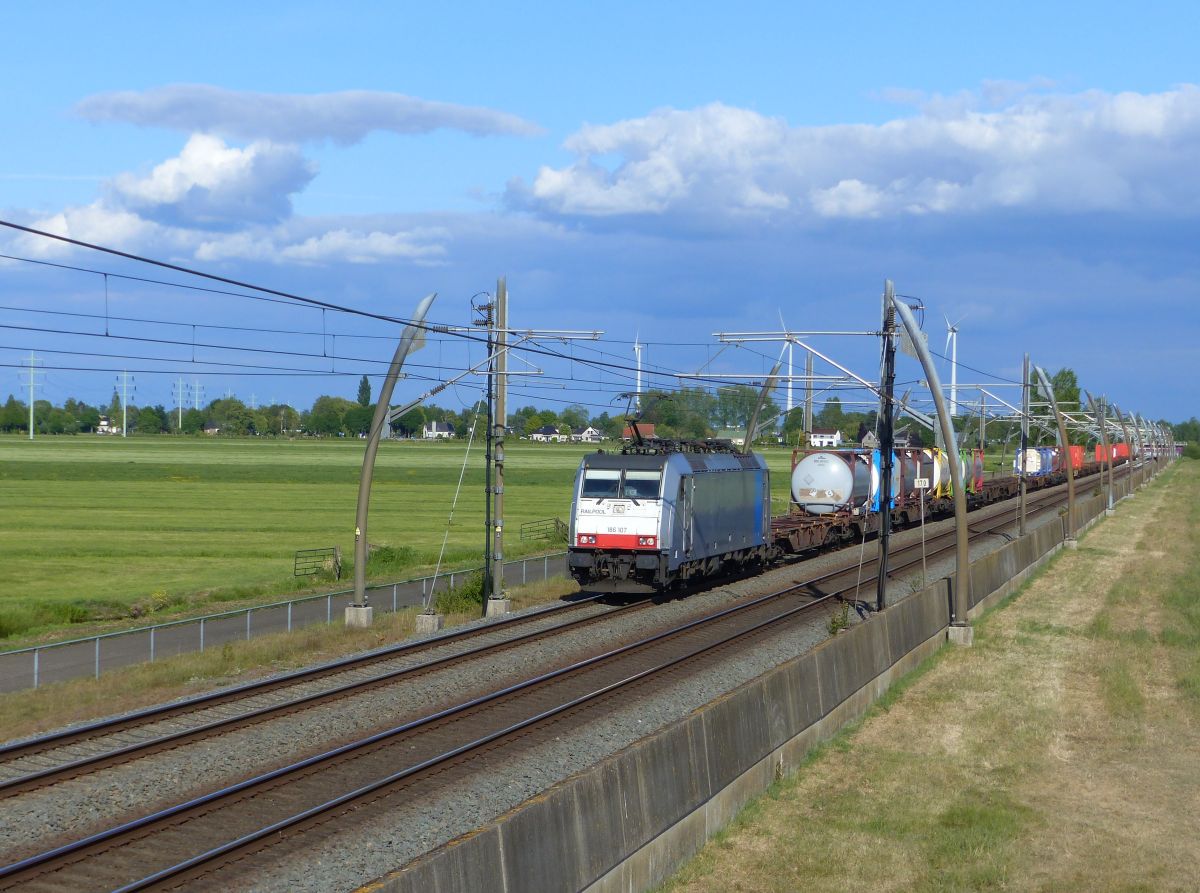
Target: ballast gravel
{"points": [[383, 841]]}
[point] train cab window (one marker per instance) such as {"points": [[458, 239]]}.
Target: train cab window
{"points": [[600, 483], [642, 484]]}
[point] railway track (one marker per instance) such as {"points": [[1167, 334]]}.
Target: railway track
{"points": [[48, 759], [180, 843], [195, 838]]}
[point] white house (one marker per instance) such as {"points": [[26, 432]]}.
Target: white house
{"points": [[586, 435], [437, 430], [825, 437], [107, 427], [548, 434]]}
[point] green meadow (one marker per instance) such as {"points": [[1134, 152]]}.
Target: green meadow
{"points": [[111, 529]]}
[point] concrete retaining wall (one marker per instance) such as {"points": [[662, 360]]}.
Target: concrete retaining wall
{"points": [[629, 822]]}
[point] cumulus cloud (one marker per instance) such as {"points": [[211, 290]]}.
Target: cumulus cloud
{"points": [[98, 223], [211, 184], [344, 117], [215, 202], [1005, 148]]}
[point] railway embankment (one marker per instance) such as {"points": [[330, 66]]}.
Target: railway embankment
{"points": [[629, 821]]}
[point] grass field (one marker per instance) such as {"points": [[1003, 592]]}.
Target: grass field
{"points": [[106, 529]]}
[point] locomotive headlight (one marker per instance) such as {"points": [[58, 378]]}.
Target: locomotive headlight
{"points": [[647, 540], [584, 539]]}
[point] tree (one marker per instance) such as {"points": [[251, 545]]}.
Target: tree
{"points": [[517, 421], [1066, 391], [193, 421], [685, 413], [364, 392], [611, 428], [324, 421], [357, 419], [573, 417], [237, 421], [14, 415], [328, 414], [151, 420], [411, 423], [735, 404], [793, 425], [59, 421], [89, 418], [831, 415], [540, 420]]}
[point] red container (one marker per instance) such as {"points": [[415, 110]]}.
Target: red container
{"points": [[1122, 450], [1076, 457]]}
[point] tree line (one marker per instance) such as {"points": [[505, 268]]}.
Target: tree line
{"points": [[687, 413]]}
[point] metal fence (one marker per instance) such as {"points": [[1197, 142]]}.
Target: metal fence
{"points": [[91, 656]]}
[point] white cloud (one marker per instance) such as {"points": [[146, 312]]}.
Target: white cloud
{"points": [[96, 223], [344, 117], [211, 184], [1006, 148], [219, 203], [422, 246]]}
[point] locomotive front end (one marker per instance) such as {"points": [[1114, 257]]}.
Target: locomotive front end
{"points": [[617, 531]]}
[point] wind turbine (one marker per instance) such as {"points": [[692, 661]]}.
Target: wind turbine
{"points": [[637, 352], [952, 347]]}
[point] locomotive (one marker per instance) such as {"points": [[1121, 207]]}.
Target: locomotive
{"points": [[663, 512]]}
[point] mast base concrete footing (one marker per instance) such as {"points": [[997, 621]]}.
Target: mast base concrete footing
{"points": [[359, 616], [961, 634], [497, 607], [429, 623]]}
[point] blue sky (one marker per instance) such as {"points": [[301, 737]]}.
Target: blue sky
{"points": [[664, 169]]}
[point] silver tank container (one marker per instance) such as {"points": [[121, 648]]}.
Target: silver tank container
{"points": [[827, 482]]}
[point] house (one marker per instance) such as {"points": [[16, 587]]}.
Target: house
{"points": [[548, 434], [586, 435], [212, 430], [107, 427], [645, 428], [825, 437], [437, 430]]}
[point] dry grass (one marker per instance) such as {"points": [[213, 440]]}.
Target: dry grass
{"points": [[1060, 753], [30, 712]]}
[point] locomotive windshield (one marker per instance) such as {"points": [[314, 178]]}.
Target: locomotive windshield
{"points": [[606, 483], [641, 484], [600, 483]]}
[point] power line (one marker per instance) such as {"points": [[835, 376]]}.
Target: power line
{"points": [[289, 296]]}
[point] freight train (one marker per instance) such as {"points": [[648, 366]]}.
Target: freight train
{"points": [[662, 512]]}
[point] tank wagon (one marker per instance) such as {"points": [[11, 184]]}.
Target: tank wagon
{"points": [[835, 493], [663, 512]]}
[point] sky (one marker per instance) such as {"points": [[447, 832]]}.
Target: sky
{"points": [[658, 171]]}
